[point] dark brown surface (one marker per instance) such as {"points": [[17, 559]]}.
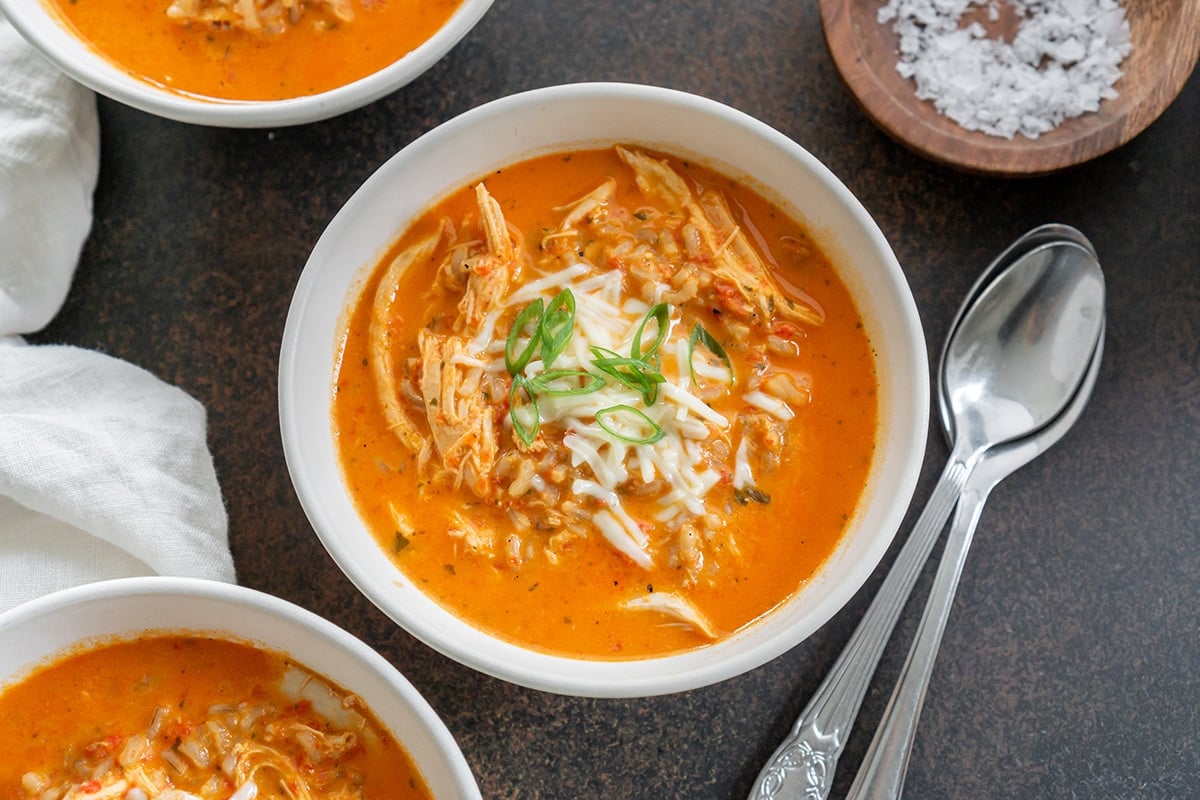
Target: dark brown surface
{"points": [[1071, 665]]}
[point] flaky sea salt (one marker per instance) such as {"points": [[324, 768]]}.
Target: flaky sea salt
{"points": [[1063, 60]]}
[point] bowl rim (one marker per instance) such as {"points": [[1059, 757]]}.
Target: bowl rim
{"points": [[352, 651], [501, 659], [39, 26]]}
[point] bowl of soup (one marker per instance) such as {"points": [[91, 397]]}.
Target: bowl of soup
{"points": [[244, 63], [605, 390], [149, 687]]}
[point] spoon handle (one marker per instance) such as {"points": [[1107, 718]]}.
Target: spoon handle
{"points": [[803, 764], [881, 776]]}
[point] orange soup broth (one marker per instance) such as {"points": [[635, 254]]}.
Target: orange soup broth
{"points": [[570, 609], [316, 55], [110, 692]]}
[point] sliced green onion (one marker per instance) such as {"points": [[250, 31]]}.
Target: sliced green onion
{"points": [[532, 314], [548, 382], [699, 334], [526, 432], [661, 314], [604, 415], [632, 372], [556, 326]]}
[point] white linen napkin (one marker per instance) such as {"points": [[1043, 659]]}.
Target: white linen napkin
{"points": [[104, 469]]}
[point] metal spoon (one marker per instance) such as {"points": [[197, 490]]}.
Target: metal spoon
{"points": [[1017, 352], [882, 772]]}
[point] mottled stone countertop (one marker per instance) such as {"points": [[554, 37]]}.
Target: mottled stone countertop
{"points": [[1071, 664]]}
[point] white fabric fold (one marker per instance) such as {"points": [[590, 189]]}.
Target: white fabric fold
{"points": [[105, 470], [49, 157]]}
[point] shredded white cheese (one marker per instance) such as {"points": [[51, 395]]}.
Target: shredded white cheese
{"points": [[742, 475], [686, 402], [487, 334], [772, 405], [549, 285], [606, 319]]}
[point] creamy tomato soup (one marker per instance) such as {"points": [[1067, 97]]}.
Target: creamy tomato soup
{"points": [[253, 49], [606, 404], [167, 717]]}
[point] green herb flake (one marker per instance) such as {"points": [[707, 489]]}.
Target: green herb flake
{"points": [[745, 496]]}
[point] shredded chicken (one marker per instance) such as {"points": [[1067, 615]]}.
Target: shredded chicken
{"points": [[238, 752], [589, 203], [477, 538], [460, 417], [383, 346], [742, 282], [492, 271], [676, 606]]}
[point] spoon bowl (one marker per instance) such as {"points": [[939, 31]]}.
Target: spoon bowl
{"points": [[1052, 233], [1023, 346]]}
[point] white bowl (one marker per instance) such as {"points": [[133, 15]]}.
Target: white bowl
{"points": [[35, 632], [42, 28], [583, 116]]}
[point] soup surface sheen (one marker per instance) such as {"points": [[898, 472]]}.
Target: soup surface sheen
{"points": [[209, 51], [606, 404], [162, 715]]}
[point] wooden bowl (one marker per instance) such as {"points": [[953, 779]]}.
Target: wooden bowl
{"points": [[1165, 36]]}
